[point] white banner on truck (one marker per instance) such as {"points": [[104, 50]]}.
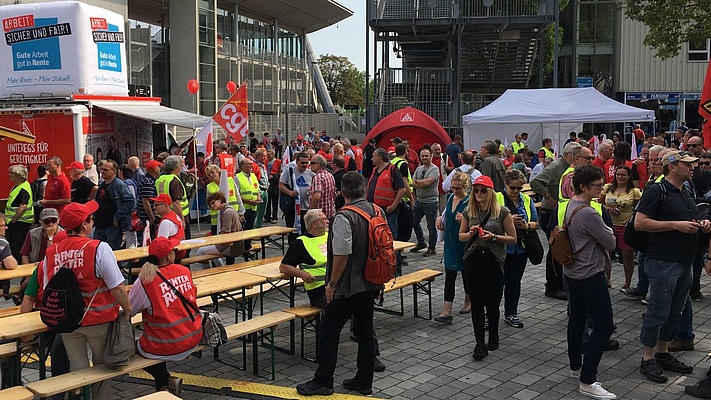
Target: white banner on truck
{"points": [[62, 48]]}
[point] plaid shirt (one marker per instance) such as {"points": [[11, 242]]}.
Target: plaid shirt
{"points": [[323, 182]]}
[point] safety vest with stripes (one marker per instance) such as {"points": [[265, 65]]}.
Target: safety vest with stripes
{"points": [[248, 188], [358, 157], [227, 162], [28, 216], [316, 247], [163, 187], [384, 194], [79, 254], [169, 329]]}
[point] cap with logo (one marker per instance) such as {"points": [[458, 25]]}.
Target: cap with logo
{"points": [[484, 181], [678, 157]]}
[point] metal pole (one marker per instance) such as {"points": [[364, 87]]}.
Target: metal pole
{"points": [[556, 11], [367, 67]]}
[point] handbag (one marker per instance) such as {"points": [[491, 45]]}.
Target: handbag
{"points": [[121, 344], [286, 202], [213, 329], [137, 224], [534, 247]]}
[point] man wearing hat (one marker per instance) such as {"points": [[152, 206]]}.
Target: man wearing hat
{"points": [[171, 224], [673, 227], [40, 238], [100, 280], [83, 189]]}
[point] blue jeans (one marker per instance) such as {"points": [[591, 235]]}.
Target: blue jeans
{"points": [[429, 211], [588, 297], [669, 284], [392, 223], [642, 281], [110, 235], [684, 329]]}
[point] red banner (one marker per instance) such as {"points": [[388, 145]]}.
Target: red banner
{"points": [[705, 108], [233, 115]]}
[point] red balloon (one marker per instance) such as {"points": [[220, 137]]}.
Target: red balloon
{"points": [[231, 86], [193, 86]]}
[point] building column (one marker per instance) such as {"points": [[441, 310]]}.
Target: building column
{"points": [[183, 52]]}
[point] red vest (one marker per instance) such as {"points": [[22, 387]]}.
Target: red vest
{"points": [[168, 329], [174, 218], [276, 167], [384, 192], [358, 157], [104, 308], [347, 160], [227, 162]]}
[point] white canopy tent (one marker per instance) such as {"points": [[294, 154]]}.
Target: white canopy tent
{"points": [[545, 113]]}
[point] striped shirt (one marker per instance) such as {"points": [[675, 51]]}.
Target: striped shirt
{"points": [[146, 190]]}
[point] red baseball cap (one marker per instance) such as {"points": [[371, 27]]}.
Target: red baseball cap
{"points": [[161, 246], [299, 137], [484, 181], [74, 214], [154, 164], [74, 165], [162, 198]]}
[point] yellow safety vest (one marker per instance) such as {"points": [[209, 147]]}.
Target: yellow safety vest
{"points": [[212, 187], [163, 187], [248, 191], [316, 247], [397, 162], [526, 203], [516, 147], [549, 152], [564, 206], [29, 215], [560, 184]]}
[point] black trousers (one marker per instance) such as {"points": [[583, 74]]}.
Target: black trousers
{"points": [[360, 308], [160, 373], [554, 271], [485, 280]]}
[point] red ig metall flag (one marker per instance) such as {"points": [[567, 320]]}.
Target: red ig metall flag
{"points": [[233, 115], [705, 107]]}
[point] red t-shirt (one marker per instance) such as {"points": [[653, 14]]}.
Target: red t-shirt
{"points": [[610, 168], [599, 163], [58, 188]]}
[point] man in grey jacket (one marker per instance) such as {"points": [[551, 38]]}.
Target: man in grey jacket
{"points": [[491, 164], [547, 185]]}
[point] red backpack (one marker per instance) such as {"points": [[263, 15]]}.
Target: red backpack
{"points": [[381, 265]]}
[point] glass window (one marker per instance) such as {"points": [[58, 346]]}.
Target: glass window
{"points": [[699, 50]]}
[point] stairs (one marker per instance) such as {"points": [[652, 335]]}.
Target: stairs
{"points": [[490, 65]]}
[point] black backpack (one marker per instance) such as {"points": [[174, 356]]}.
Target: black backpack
{"points": [[636, 239], [62, 307]]}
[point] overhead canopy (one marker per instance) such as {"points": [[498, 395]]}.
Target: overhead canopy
{"points": [[409, 123], [307, 15], [154, 112], [16, 135], [545, 113]]}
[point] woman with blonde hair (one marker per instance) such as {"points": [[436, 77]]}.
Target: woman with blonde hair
{"points": [[453, 256], [486, 227], [172, 326]]}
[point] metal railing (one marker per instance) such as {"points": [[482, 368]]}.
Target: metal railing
{"points": [[438, 9]]}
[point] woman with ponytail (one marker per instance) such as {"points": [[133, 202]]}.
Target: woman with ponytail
{"points": [[166, 296]]}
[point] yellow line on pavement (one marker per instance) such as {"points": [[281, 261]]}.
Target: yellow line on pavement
{"points": [[242, 386]]}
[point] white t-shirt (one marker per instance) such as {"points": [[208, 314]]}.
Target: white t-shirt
{"points": [[167, 228]]}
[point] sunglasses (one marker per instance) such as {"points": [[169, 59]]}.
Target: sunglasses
{"points": [[693, 146], [456, 188], [516, 187], [50, 221], [479, 191]]}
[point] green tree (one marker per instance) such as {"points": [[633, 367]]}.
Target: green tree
{"points": [[672, 22], [344, 82]]}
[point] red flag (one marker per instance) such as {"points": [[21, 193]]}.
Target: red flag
{"points": [[705, 107], [233, 115]]}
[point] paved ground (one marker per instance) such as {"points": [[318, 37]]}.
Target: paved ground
{"points": [[429, 360]]}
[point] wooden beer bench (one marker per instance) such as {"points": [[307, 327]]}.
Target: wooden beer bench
{"points": [[420, 281]]}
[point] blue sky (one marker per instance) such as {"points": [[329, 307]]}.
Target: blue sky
{"points": [[347, 38]]}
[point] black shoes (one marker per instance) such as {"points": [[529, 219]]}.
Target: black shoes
{"points": [[493, 342], [611, 344], [378, 365], [557, 294], [349, 384], [670, 363], [653, 371], [312, 388], [701, 390], [480, 351], [446, 320], [428, 253], [417, 248]]}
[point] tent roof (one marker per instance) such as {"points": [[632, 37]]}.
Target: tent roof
{"points": [[408, 122], [556, 105]]}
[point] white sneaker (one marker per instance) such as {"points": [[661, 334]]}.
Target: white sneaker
{"points": [[595, 390]]}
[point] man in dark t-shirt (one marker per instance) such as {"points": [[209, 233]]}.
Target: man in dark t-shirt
{"points": [[454, 149], [83, 189]]}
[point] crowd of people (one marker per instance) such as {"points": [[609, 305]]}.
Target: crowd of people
{"points": [[472, 200]]}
